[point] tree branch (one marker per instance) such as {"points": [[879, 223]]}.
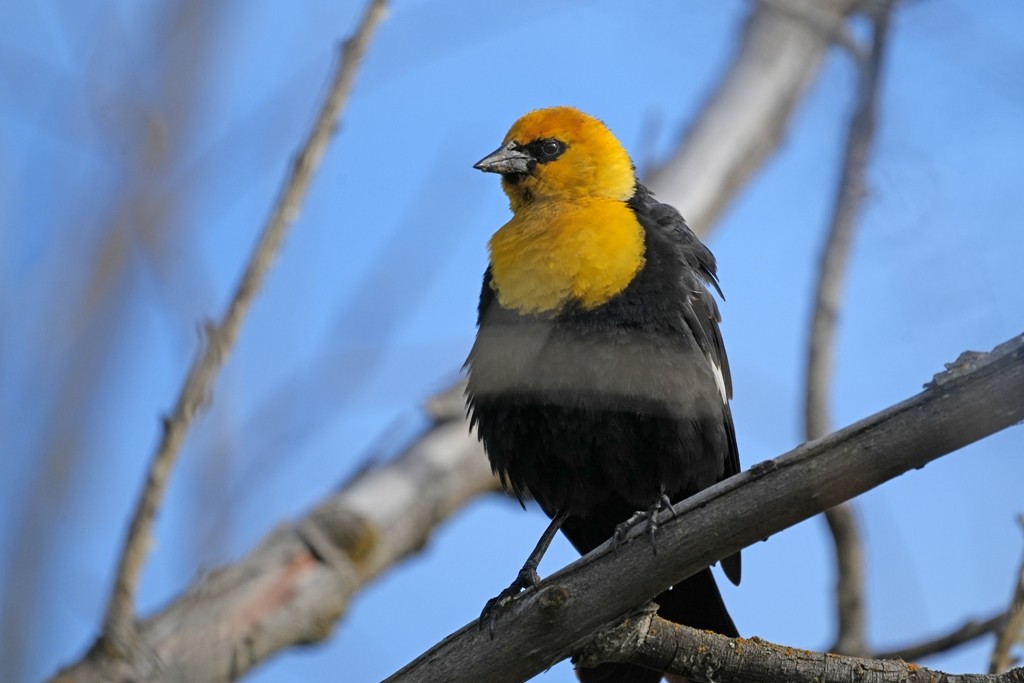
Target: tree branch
{"points": [[842, 520], [706, 657], [744, 119], [851, 627], [966, 633], [1011, 630], [977, 396], [119, 632], [298, 581]]}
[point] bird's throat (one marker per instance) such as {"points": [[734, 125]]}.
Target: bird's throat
{"points": [[555, 253]]}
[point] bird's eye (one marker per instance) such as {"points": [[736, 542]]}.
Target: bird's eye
{"points": [[547, 149], [550, 148]]}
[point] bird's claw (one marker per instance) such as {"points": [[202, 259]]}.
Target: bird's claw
{"points": [[527, 578], [650, 515]]}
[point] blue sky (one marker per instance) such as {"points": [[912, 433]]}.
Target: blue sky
{"points": [[371, 306]]}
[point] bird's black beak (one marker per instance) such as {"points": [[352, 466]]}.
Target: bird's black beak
{"points": [[506, 159]]}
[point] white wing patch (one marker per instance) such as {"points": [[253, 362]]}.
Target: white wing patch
{"points": [[716, 370]]}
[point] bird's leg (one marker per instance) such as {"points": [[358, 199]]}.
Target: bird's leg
{"points": [[650, 515], [527, 576]]}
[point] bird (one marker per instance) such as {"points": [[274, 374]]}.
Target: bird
{"points": [[598, 381]]}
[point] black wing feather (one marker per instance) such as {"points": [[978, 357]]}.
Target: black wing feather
{"points": [[700, 313]]}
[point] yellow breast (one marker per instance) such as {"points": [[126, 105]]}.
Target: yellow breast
{"points": [[553, 253]]}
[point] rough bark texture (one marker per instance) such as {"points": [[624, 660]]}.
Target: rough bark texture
{"points": [[706, 657]]}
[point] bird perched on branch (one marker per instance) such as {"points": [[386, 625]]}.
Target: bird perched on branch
{"points": [[598, 381]]}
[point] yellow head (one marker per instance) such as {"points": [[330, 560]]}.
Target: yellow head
{"points": [[561, 154], [573, 237]]}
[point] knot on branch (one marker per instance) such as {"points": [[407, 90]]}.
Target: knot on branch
{"points": [[969, 361], [619, 642], [341, 531]]}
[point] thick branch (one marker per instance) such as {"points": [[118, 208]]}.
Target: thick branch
{"points": [[292, 588], [706, 657], [842, 519], [744, 119], [118, 622], [977, 396]]}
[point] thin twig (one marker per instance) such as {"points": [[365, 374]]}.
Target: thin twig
{"points": [[851, 626], [960, 636], [842, 520], [119, 631], [1011, 630]]}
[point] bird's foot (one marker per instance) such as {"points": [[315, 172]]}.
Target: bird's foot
{"points": [[650, 515], [527, 578]]}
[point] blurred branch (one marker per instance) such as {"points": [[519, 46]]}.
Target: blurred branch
{"points": [[348, 357], [1012, 629], [842, 520], [822, 20], [744, 119], [976, 396], [293, 587], [86, 300], [705, 656], [835, 254], [119, 633], [850, 619], [964, 634]]}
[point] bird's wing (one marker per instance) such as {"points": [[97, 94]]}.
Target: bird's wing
{"points": [[702, 317]]}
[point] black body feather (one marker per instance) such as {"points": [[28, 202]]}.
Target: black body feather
{"points": [[600, 410]]}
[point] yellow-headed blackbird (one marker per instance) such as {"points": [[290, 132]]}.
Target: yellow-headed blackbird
{"points": [[598, 382]]}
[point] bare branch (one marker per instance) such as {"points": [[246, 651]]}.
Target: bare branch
{"points": [[842, 520], [1012, 629], [963, 634], [744, 119], [119, 632], [87, 294], [542, 626], [298, 581], [835, 254], [705, 656], [822, 20], [851, 621]]}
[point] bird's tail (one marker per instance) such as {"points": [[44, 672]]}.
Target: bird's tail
{"points": [[694, 602]]}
